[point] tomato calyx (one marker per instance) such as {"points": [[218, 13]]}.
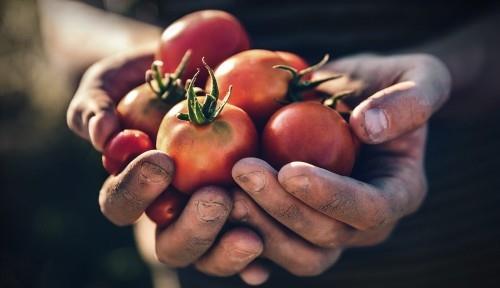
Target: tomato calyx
{"points": [[297, 85], [332, 101], [201, 114], [167, 86]]}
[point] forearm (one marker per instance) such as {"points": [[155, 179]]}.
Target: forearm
{"points": [[472, 56], [76, 35]]}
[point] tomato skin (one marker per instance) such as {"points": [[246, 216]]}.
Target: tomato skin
{"points": [[205, 155], [143, 110], [167, 207], [258, 88], [123, 148], [212, 34], [309, 132], [295, 61]]}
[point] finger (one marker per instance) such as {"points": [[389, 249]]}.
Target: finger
{"points": [[233, 252], [123, 198], [102, 126], [188, 238], [86, 105], [260, 181], [343, 198], [421, 90], [255, 274], [91, 113], [356, 203], [280, 245]]}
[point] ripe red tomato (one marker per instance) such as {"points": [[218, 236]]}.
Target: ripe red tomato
{"points": [[143, 108], [212, 34], [309, 132], [206, 142], [123, 148], [259, 88], [167, 207]]}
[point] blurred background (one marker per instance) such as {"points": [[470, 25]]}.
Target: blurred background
{"points": [[53, 234]]}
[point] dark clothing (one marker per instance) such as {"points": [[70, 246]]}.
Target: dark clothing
{"points": [[315, 27]]}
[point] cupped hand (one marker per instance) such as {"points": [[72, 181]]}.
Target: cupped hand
{"points": [[194, 237], [307, 215]]}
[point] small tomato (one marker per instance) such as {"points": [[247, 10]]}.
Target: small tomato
{"points": [[143, 108], [123, 147], [167, 207]]}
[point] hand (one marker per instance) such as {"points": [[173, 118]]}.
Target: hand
{"points": [[191, 239], [327, 212]]}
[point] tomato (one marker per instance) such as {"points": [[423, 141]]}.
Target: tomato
{"points": [[167, 207], [309, 132], [212, 34], [259, 88], [206, 142], [123, 147], [143, 108]]}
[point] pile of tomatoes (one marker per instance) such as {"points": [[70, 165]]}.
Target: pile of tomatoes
{"points": [[270, 110]]}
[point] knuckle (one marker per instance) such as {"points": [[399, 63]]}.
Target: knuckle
{"points": [[120, 205], [312, 265], [442, 83], [169, 261], [379, 217], [290, 212], [240, 255], [338, 204], [334, 237], [197, 243]]}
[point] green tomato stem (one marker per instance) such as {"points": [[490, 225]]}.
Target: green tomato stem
{"points": [[199, 114], [168, 87], [297, 86]]}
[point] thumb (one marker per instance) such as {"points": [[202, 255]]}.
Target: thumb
{"points": [[404, 106]]}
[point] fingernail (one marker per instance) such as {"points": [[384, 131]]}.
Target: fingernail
{"points": [[210, 211], [152, 173], [243, 254], [252, 182], [375, 123], [297, 185]]}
